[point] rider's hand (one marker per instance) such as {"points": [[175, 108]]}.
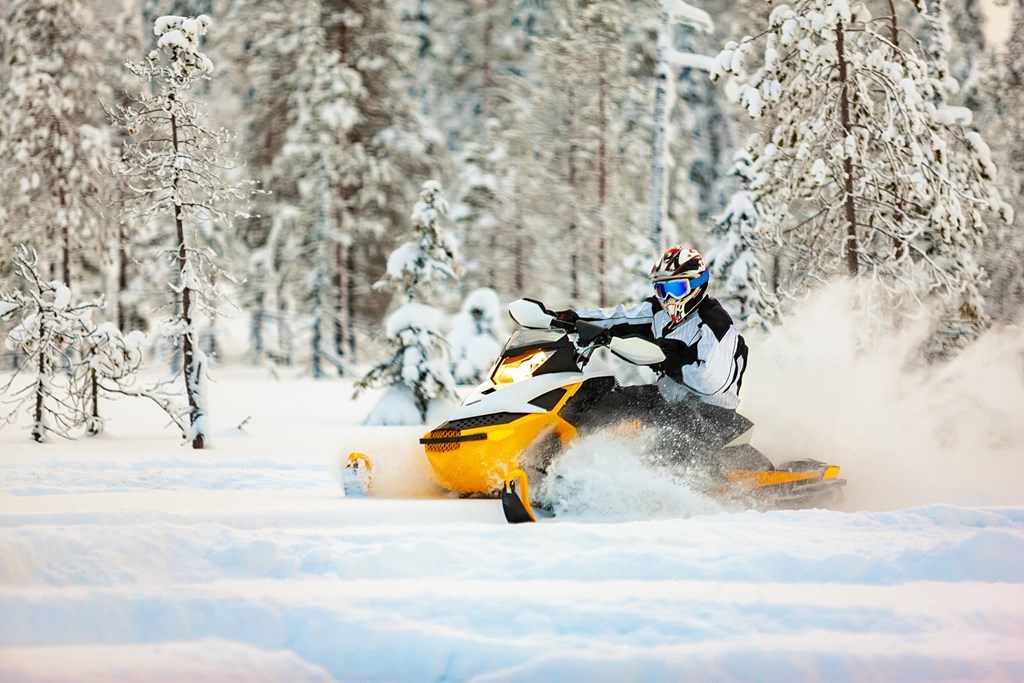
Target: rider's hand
{"points": [[566, 316], [678, 354]]}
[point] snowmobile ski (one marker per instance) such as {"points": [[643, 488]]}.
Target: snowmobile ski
{"points": [[357, 477], [515, 498]]}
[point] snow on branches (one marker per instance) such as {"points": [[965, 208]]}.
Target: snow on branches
{"points": [[418, 370], [71, 358], [734, 258], [174, 166], [417, 267], [476, 335], [53, 180], [860, 167]]}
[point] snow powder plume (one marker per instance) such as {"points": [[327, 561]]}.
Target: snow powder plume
{"points": [[903, 434], [602, 479]]}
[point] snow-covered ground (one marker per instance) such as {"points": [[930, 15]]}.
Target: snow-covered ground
{"points": [[130, 558]]}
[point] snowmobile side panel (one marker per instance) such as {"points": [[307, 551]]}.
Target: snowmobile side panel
{"points": [[757, 479], [475, 460]]}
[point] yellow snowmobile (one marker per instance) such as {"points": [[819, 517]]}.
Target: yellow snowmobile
{"points": [[541, 394]]}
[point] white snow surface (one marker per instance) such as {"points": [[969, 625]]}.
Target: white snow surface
{"points": [[130, 557]]}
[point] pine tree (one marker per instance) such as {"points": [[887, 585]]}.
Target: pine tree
{"points": [[859, 169], [174, 165], [50, 328], [997, 95], [476, 335], [418, 367], [324, 109], [387, 145], [734, 260], [53, 176]]}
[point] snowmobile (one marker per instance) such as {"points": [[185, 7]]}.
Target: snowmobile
{"points": [[542, 394]]}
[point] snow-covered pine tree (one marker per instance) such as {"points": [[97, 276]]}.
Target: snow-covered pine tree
{"points": [[127, 287], [588, 139], [54, 150], [387, 145], [476, 209], [174, 166], [50, 328], [110, 360], [476, 334], [323, 109], [418, 371], [858, 170], [997, 93], [734, 261]]}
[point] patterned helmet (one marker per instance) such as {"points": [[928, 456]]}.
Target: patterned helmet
{"points": [[680, 279]]}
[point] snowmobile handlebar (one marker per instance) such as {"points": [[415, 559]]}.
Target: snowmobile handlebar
{"points": [[534, 315]]}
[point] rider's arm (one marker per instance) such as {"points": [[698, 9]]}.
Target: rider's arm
{"points": [[622, 320], [716, 369]]}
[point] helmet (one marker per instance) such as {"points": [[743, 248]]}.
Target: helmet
{"points": [[680, 279]]}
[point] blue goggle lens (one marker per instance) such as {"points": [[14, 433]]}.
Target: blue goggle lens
{"points": [[677, 289], [673, 288]]}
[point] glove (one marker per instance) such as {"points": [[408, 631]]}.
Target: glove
{"points": [[677, 356], [566, 316]]}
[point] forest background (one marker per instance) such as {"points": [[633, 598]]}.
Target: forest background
{"points": [[880, 141]]}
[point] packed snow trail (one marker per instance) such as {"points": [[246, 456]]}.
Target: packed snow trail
{"points": [[130, 557]]}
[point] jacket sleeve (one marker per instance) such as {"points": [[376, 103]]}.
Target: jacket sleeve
{"points": [[716, 369], [623, 320]]}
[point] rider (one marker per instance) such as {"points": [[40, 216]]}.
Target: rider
{"points": [[705, 356]]}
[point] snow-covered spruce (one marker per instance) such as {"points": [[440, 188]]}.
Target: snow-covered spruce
{"points": [[476, 334], [174, 166], [418, 372], [734, 259], [48, 341], [418, 267], [317, 159], [859, 171], [53, 179], [74, 361]]}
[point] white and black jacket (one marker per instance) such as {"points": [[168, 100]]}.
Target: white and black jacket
{"points": [[704, 355]]}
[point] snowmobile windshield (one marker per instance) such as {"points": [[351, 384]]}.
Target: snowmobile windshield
{"points": [[524, 340]]}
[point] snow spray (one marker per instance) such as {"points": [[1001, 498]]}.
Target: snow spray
{"points": [[904, 432]]}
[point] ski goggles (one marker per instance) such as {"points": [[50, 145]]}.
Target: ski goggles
{"points": [[677, 289]]}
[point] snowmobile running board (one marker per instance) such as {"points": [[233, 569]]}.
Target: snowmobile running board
{"points": [[515, 501]]}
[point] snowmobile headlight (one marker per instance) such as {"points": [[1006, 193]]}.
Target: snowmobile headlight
{"points": [[519, 368]]}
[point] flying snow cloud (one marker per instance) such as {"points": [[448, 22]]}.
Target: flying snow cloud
{"points": [[904, 434]]}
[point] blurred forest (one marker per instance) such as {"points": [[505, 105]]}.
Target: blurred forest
{"points": [[537, 118]]}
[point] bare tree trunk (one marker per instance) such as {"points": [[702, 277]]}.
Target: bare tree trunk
{"points": [[574, 281], [488, 69], [852, 247], [657, 208], [188, 338], [894, 34], [122, 276], [350, 299], [339, 305], [38, 433], [602, 182], [94, 395], [65, 239]]}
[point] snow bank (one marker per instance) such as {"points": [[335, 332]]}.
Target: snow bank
{"points": [[129, 557]]}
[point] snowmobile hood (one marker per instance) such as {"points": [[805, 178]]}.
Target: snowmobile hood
{"points": [[516, 398]]}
